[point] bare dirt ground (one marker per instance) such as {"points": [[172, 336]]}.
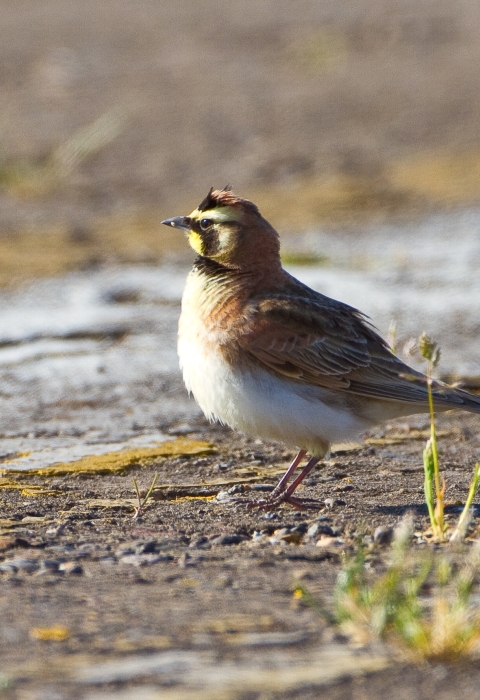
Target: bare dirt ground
{"points": [[95, 603]]}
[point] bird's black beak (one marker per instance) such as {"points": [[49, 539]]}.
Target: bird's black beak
{"points": [[181, 222]]}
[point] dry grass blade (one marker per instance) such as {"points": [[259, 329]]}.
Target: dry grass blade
{"points": [[87, 141], [142, 503], [30, 178]]}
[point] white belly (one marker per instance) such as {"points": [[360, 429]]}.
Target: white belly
{"points": [[260, 404]]}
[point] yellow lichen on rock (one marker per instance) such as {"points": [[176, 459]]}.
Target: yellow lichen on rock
{"points": [[56, 633], [114, 462]]}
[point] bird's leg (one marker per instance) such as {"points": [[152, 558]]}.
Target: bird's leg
{"points": [[282, 484], [280, 487], [282, 493], [276, 498], [305, 472]]}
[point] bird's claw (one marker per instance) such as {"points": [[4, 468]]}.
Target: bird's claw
{"points": [[274, 501]]}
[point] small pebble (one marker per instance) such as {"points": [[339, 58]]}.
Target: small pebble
{"points": [[319, 529], [383, 535], [27, 565], [56, 530], [220, 467], [281, 532], [237, 488], [86, 549], [124, 549], [260, 538], [144, 559], [71, 567], [270, 516], [136, 547], [62, 548], [331, 502], [325, 541], [292, 537], [182, 429], [146, 547], [223, 581], [107, 561], [228, 539], [8, 567], [200, 543]]}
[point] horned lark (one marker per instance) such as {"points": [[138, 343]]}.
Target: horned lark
{"points": [[267, 355]]}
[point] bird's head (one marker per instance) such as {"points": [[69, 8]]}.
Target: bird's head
{"points": [[229, 230]]}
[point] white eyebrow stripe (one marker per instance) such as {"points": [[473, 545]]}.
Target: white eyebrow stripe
{"points": [[218, 215]]}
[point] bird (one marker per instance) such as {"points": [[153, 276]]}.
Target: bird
{"points": [[268, 356]]}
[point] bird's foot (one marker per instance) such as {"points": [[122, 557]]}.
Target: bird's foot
{"points": [[303, 503], [275, 500], [283, 491]]}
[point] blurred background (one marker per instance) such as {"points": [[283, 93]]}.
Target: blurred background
{"points": [[353, 125], [116, 114]]}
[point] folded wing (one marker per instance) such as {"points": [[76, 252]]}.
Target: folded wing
{"points": [[332, 345]]}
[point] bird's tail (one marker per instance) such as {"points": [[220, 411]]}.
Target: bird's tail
{"points": [[448, 397]]}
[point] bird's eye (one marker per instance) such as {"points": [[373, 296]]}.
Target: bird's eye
{"points": [[205, 223]]}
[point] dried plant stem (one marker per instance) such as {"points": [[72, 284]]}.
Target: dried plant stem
{"points": [[141, 504]]}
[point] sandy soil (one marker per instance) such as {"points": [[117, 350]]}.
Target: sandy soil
{"points": [[83, 583]]}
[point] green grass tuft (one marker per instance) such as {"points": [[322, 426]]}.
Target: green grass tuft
{"points": [[421, 602], [434, 484]]}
